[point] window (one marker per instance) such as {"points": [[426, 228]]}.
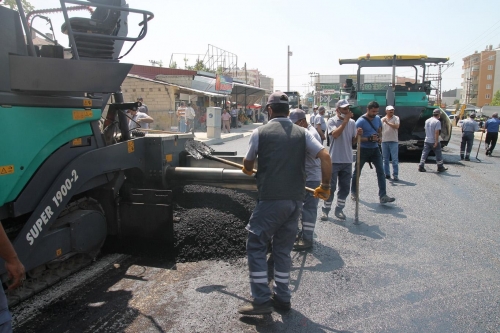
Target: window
{"points": [[488, 86], [491, 57], [487, 96], [488, 77], [490, 67]]}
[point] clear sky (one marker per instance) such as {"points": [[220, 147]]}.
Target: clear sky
{"points": [[318, 32]]}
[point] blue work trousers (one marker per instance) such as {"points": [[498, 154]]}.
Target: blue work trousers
{"points": [[341, 173], [309, 212], [371, 155], [390, 151], [182, 124], [466, 145], [428, 146], [275, 220]]}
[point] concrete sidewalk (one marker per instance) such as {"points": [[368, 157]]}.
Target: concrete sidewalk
{"points": [[236, 133]]}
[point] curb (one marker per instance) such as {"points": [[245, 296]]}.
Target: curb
{"points": [[221, 140]]}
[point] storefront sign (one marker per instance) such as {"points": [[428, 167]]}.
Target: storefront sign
{"points": [[224, 83]]}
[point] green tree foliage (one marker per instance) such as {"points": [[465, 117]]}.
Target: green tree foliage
{"points": [[173, 65], [27, 6], [456, 101], [496, 99]]}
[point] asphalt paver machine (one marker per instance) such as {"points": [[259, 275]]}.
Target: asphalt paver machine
{"points": [[410, 99], [69, 177]]}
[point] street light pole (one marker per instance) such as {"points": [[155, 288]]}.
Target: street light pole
{"points": [[288, 71]]}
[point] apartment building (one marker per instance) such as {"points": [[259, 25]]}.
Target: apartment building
{"points": [[481, 76]]}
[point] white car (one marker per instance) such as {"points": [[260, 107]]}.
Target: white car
{"points": [[460, 123]]}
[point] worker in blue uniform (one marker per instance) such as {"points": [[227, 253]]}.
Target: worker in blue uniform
{"points": [[281, 147]]}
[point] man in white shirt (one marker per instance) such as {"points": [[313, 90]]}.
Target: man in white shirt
{"points": [[390, 142], [190, 114], [138, 120]]}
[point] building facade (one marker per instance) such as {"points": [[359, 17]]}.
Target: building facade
{"points": [[481, 79]]}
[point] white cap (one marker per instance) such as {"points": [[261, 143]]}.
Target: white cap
{"points": [[315, 107], [389, 107]]}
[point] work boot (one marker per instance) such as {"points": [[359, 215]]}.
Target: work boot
{"points": [[462, 156], [324, 216], [396, 179], [279, 305], [251, 309], [387, 177], [467, 158], [442, 169], [385, 199], [302, 244], [421, 169], [339, 213]]}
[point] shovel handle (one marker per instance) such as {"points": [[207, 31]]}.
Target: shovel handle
{"points": [[215, 158]]}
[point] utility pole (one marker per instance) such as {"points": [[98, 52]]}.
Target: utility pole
{"points": [[437, 77], [288, 71]]}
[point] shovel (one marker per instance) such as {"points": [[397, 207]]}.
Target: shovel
{"points": [[200, 150], [358, 160], [479, 146]]}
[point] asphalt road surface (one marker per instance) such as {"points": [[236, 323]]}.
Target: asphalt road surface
{"points": [[427, 263]]}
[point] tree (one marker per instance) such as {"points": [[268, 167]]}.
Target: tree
{"points": [[496, 99], [27, 6], [199, 66], [456, 101], [173, 65]]}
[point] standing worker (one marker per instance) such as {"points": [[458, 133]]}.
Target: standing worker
{"points": [[343, 134], [234, 117], [181, 117], [143, 108], [138, 120], [431, 142], [320, 123], [281, 147], [491, 127], [313, 115], [226, 121], [190, 114], [313, 180], [390, 142], [469, 126], [371, 125], [16, 272]]}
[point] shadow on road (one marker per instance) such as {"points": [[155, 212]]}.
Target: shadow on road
{"points": [[292, 320]]}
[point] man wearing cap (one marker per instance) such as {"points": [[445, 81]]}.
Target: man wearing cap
{"points": [[313, 180], [390, 142], [431, 142], [343, 133], [469, 126], [138, 120], [181, 117], [282, 148], [371, 125], [143, 108], [320, 123], [491, 126]]}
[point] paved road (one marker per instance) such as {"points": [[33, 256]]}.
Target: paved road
{"points": [[428, 263]]}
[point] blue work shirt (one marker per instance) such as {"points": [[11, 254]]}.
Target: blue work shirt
{"points": [[368, 130], [492, 125]]}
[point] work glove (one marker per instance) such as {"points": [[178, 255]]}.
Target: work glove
{"points": [[321, 193], [247, 172]]}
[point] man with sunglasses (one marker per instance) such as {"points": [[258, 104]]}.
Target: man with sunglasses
{"points": [[343, 133], [313, 180]]}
